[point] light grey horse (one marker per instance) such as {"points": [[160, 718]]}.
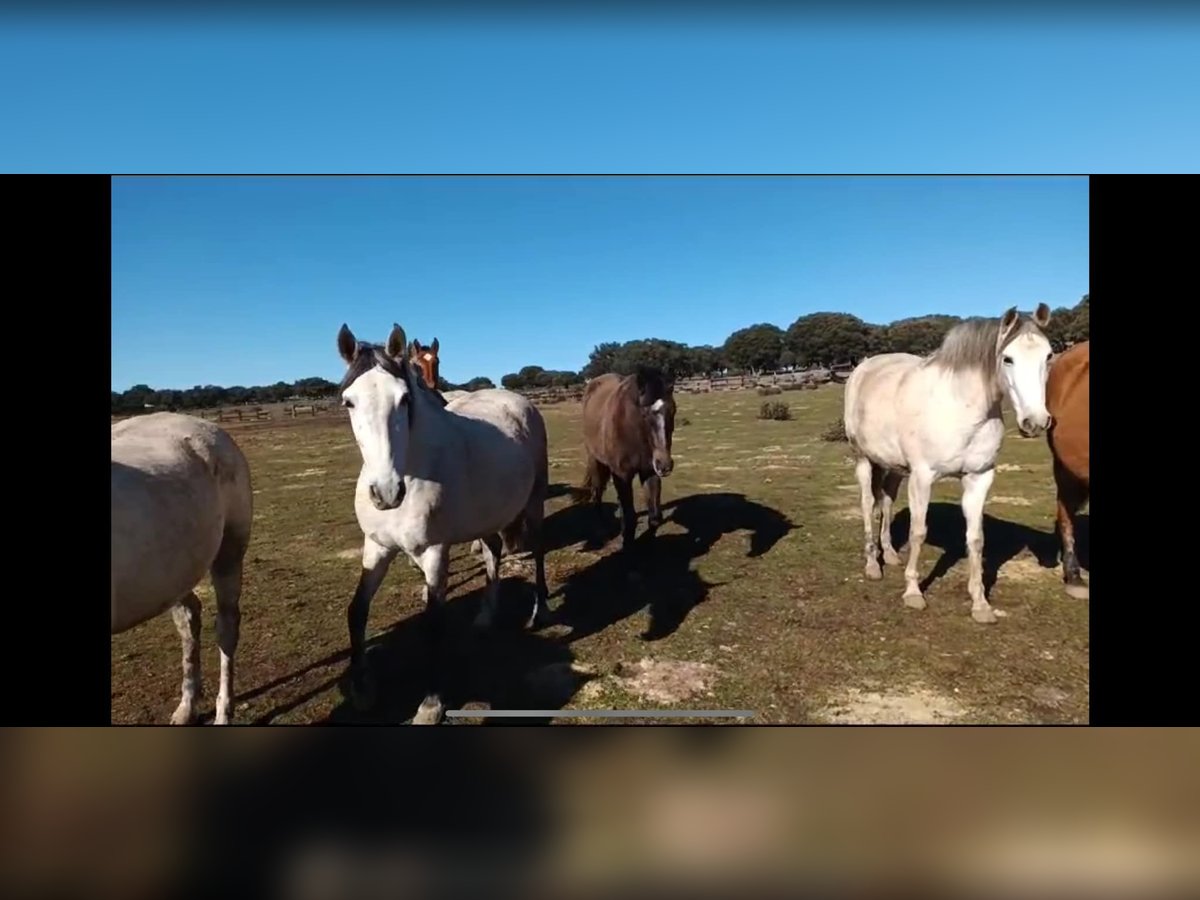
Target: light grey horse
{"points": [[474, 470], [182, 506], [939, 416]]}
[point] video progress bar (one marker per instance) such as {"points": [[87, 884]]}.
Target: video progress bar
{"points": [[600, 713]]}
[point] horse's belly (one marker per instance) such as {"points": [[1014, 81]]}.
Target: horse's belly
{"points": [[153, 566]]}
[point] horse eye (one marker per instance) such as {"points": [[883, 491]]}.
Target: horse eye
{"points": [[1008, 360], [348, 403]]}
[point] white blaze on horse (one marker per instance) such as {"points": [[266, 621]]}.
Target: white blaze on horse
{"points": [[182, 506], [434, 475], [939, 416]]}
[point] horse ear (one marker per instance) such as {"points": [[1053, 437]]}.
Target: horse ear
{"points": [[1007, 321], [346, 344], [414, 348], [434, 346], [1041, 315], [397, 343]]}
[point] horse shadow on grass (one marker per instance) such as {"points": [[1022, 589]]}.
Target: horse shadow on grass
{"points": [[1002, 541], [506, 667], [602, 594]]}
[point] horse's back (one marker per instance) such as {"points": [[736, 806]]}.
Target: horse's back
{"points": [[180, 486], [1068, 400]]}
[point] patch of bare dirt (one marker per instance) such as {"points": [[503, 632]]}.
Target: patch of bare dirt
{"points": [[1024, 568], [1010, 501], [915, 705], [307, 473], [1008, 467], [352, 553], [666, 680]]}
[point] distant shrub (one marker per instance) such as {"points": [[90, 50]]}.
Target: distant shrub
{"points": [[835, 432], [776, 410], [767, 390], [793, 386]]}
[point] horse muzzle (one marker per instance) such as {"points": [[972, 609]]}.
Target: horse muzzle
{"points": [[385, 501], [1031, 426], [663, 469]]}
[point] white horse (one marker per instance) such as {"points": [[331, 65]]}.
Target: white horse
{"points": [[182, 506], [475, 470], [941, 415]]}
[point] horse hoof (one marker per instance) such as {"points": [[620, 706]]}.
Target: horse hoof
{"points": [[655, 522], [891, 557], [182, 716], [363, 693], [482, 622], [541, 618], [429, 712], [984, 615], [1078, 591], [914, 601], [873, 572]]}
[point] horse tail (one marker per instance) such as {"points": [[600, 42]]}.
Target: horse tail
{"points": [[584, 492]]}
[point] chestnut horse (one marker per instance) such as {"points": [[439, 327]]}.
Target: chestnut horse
{"points": [[628, 422], [1068, 400], [427, 362]]}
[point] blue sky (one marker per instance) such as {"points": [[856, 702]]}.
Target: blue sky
{"points": [[229, 280], [1033, 93]]}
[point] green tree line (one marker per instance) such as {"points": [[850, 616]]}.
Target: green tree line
{"points": [[820, 338]]}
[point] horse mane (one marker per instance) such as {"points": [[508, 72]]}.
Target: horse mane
{"points": [[366, 357], [656, 384], [971, 344]]}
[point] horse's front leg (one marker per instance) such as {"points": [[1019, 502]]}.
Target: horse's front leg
{"points": [[491, 549], [920, 486], [375, 562], [435, 563], [652, 485], [975, 487], [1070, 497]]}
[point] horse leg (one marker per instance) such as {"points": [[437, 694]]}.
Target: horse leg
{"points": [[598, 476], [1071, 496], [540, 617], [868, 487], [375, 562], [891, 488], [227, 585], [435, 563], [975, 487], [491, 548], [186, 614], [652, 486], [920, 485], [628, 513]]}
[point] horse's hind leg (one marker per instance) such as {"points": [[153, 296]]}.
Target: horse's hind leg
{"points": [[628, 512], [375, 562], [891, 488], [868, 486], [227, 585], [186, 615], [1071, 495], [540, 616], [598, 476], [491, 548], [975, 487]]}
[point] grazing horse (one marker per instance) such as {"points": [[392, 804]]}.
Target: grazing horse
{"points": [[1068, 399], [182, 505], [939, 416], [434, 475], [429, 364], [628, 422]]}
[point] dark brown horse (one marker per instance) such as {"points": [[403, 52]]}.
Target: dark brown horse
{"points": [[1068, 401], [628, 422]]}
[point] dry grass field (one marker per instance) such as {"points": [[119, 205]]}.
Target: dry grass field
{"points": [[753, 599]]}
